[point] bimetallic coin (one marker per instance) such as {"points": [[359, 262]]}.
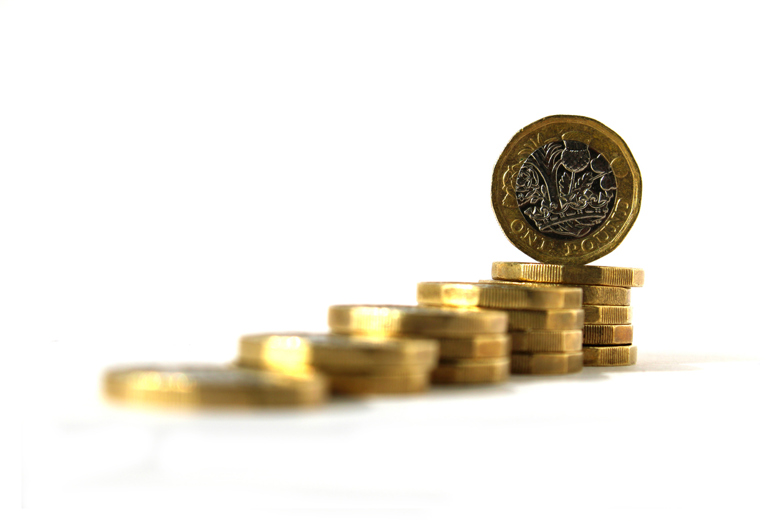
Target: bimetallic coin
{"points": [[599, 295], [561, 274], [500, 296], [472, 371], [546, 363], [605, 356], [415, 321], [546, 341], [478, 346], [337, 354], [382, 384], [607, 334], [608, 314], [547, 319], [566, 189], [213, 386]]}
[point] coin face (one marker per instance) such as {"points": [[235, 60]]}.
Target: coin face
{"points": [[566, 189]]}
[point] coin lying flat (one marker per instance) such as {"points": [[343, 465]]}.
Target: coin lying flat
{"points": [[566, 189], [380, 384], [478, 346], [415, 321], [546, 363], [336, 354], [608, 314], [608, 334], [472, 371], [213, 386], [546, 341], [599, 295], [500, 296], [561, 274], [548, 319], [605, 356]]}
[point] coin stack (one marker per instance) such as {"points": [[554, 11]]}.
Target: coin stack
{"points": [[608, 333], [473, 343], [543, 322]]}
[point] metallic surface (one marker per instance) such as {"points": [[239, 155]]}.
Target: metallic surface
{"points": [[576, 199], [497, 295], [546, 363], [605, 356], [548, 319], [472, 371], [478, 346], [608, 314], [384, 384], [546, 341], [561, 274], [607, 334], [600, 295]]}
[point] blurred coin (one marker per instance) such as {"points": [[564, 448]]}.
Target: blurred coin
{"points": [[548, 319], [380, 384], [546, 341], [608, 334], [478, 346], [546, 363], [604, 356], [608, 314], [501, 296], [600, 295], [471, 371], [560, 274]]}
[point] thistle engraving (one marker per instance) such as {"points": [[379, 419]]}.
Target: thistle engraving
{"points": [[565, 189]]}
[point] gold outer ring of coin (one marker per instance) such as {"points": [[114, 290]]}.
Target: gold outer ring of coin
{"points": [[472, 371], [478, 346], [546, 341], [546, 319], [549, 248], [608, 315], [546, 363], [561, 274], [606, 356], [213, 386], [338, 354], [380, 384], [599, 295], [497, 295], [595, 334], [415, 321]]}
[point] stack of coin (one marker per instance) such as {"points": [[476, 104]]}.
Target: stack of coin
{"points": [[474, 342], [608, 333], [543, 322], [354, 365]]}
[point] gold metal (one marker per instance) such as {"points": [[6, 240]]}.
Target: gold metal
{"points": [[415, 321], [337, 354], [213, 386], [546, 363], [608, 314], [607, 335], [599, 295], [601, 238], [546, 341], [605, 356], [383, 384], [497, 295], [548, 319], [561, 274], [472, 371], [478, 346]]}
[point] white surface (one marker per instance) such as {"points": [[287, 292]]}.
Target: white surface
{"points": [[176, 174]]}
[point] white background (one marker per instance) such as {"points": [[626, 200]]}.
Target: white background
{"points": [[176, 174]]}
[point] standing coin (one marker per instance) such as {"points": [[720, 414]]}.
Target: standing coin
{"points": [[560, 274]]}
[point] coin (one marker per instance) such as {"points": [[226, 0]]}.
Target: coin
{"points": [[380, 384], [493, 295], [546, 341], [478, 346], [608, 314], [546, 363], [560, 274], [472, 371], [600, 295], [415, 321], [336, 354], [213, 386], [527, 319], [566, 189], [607, 334], [604, 356]]}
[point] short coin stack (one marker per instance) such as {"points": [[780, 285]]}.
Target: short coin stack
{"points": [[474, 342], [544, 323], [608, 333]]}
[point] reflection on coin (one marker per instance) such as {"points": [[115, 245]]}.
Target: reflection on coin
{"points": [[472, 371], [548, 319], [546, 341], [382, 384], [608, 334], [608, 314], [561, 274], [500, 296], [546, 363], [604, 356], [599, 295], [478, 346]]}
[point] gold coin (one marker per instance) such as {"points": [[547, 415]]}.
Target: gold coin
{"points": [[547, 319], [559, 274], [472, 371], [608, 314], [566, 189], [600, 295], [415, 321], [380, 384], [546, 341], [478, 346], [336, 354], [493, 295], [604, 356], [546, 363], [214, 386], [607, 335]]}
